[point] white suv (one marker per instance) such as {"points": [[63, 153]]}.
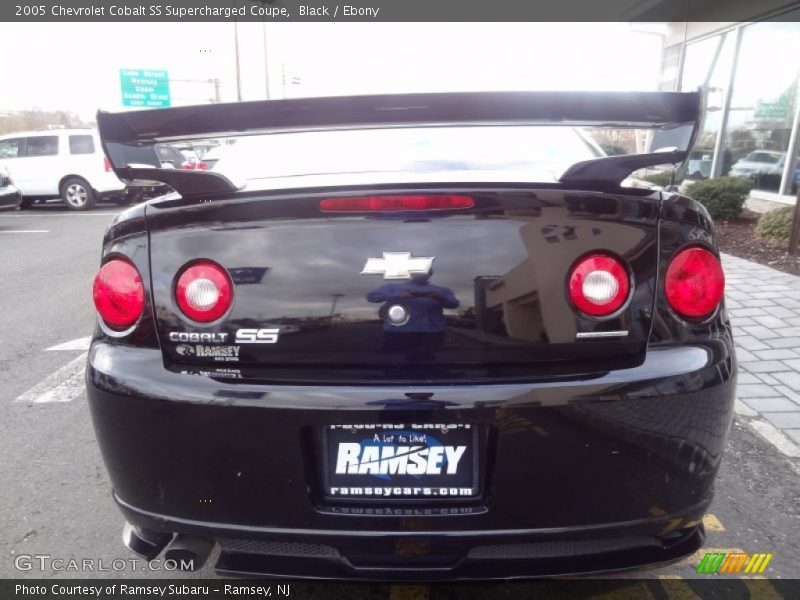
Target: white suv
{"points": [[66, 163]]}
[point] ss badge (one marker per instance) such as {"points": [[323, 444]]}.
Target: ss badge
{"points": [[257, 336]]}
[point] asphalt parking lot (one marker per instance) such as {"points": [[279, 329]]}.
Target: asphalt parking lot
{"points": [[56, 497]]}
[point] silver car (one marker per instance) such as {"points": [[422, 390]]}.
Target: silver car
{"points": [[759, 162]]}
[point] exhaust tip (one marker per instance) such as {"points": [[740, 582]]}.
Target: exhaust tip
{"points": [[189, 553], [146, 543]]}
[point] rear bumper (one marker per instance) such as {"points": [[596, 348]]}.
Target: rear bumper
{"points": [[359, 554], [613, 471], [107, 183]]}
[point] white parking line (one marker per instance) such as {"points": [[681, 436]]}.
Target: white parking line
{"points": [[775, 437], [63, 385], [79, 344], [766, 430]]}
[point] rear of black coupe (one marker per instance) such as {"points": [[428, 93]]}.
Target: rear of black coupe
{"points": [[437, 338]]}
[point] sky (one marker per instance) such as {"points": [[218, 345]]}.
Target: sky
{"points": [[75, 66]]}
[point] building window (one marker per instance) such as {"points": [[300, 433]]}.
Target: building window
{"points": [[709, 63], [699, 60], [763, 104]]}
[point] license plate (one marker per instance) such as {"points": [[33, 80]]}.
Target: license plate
{"points": [[396, 461]]}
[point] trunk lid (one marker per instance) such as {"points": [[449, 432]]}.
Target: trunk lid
{"points": [[495, 306]]}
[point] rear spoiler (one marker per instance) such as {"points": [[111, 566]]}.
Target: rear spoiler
{"points": [[129, 138]]}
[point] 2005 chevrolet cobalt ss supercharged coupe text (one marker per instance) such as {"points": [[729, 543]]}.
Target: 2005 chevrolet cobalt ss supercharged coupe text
{"points": [[429, 336]]}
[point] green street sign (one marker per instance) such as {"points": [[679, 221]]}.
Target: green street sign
{"points": [[779, 108], [144, 88]]}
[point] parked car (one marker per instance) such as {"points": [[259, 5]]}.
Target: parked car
{"points": [[213, 155], [192, 162], [170, 157], [759, 162], [174, 158], [198, 149], [10, 198], [699, 164], [65, 163], [464, 337]]}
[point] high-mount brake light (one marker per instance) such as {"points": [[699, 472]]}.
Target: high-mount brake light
{"points": [[694, 284], [396, 203], [599, 285], [118, 293], [204, 291]]}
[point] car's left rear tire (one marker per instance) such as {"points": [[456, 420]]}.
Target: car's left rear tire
{"points": [[77, 194]]}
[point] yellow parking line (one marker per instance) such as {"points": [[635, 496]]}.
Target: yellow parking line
{"points": [[712, 523], [678, 589], [639, 591], [409, 592], [761, 589], [671, 525]]}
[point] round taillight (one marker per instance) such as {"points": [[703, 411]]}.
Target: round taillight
{"points": [[599, 285], [118, 293], [695, 283], [204, 292]]}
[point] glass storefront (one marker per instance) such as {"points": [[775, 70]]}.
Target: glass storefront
{"points": [[713, 61], [752, 74], [762, 107]]}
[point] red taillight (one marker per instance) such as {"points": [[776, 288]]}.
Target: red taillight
{"points": [[187, 165], [599, 285], [107, 164], [694, 284], [118, 293], [395, 203], [201, 166], [204, 292]]}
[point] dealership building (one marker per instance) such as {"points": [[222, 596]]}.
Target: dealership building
{"points": [[752, 73]]}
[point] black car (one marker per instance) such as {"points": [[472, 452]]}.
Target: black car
{"points": [[10, 198], [429, 336]]}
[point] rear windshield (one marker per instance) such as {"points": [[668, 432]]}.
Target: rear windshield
{"points": [[522, 152]]}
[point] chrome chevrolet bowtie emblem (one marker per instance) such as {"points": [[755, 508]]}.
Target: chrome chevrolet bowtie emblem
{"points": [[398, 265]]}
